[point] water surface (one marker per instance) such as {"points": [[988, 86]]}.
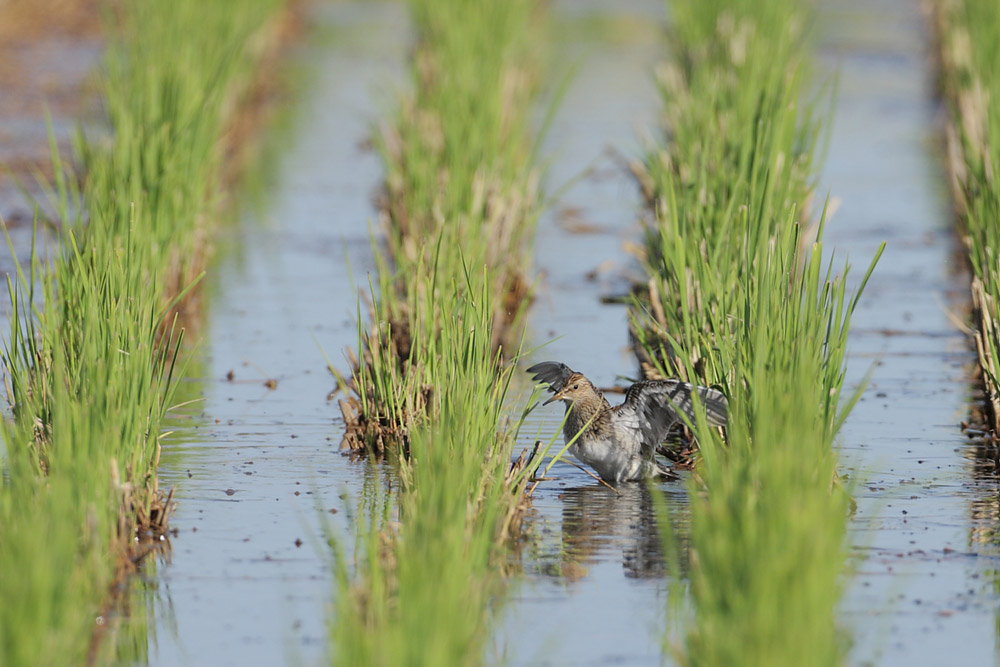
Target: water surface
{"points": [[248, 582], [920, 595]]}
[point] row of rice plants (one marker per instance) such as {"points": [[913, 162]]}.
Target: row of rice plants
{"points": [[90, 359], [742, 296], [460, 194], [461, 201], [970, 82], [427, 570]]}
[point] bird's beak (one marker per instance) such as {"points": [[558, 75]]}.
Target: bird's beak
{"points": [[554, 397]]}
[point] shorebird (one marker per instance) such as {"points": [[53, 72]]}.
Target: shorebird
{"points": [[619, 442]]}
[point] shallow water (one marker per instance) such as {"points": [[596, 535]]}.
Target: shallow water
{"points": [[256, 467], [610, 605], [238, 588], [922, 593], [924, 534], [248, 582]]}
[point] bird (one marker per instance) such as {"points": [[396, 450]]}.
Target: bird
{"points": [[619, 442]]}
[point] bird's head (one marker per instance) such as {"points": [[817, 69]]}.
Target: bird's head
{"points": [[574, 389]]}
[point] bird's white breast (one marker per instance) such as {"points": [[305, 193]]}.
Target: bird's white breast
{"points": [[612, 463]]}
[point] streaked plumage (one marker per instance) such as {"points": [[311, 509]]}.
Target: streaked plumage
{"points": [[620, 442]]}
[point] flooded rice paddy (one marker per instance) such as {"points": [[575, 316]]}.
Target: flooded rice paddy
{"points": [[923, 591], [247, 582], [256, 462]]}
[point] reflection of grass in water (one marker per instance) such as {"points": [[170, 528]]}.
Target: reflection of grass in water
{"points": [[461, 200], [133, 631], [742, 296], [90, 373], [145, 605]]}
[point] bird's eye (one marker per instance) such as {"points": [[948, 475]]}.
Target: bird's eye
{"points": [[576, 386]]}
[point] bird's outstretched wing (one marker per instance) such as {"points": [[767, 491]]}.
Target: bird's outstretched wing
{"points": [[652, 407], [553, 372]]}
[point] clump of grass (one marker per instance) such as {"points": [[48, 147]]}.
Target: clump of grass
{"points": [[460, 189], [461, 200], [741, 295], [737, 158], [90, 359], [426, 585], [970, 79]]}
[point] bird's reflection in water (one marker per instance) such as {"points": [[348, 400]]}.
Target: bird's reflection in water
{"points": [[597, 526]]}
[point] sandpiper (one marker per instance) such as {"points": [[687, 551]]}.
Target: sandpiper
{"points": [[620, 442]]}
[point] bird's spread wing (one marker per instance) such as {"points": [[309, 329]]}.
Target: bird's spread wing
{"points": [[553, 372], [652, 407]]}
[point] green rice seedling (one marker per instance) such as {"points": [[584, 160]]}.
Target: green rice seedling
{"points": [[168, 115], [722, 183], [90, 359], [769, 492], [461, 198], [459, 190], [426, 586], [742, 296], [81, 448], [970, 70]]}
